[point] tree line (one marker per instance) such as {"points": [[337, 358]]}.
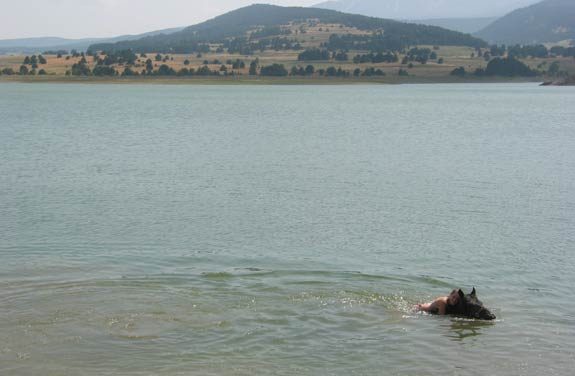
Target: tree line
{"points": [[524, 51], [503, 67]]}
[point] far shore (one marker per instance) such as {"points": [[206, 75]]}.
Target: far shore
{"points": [[258, 80]]}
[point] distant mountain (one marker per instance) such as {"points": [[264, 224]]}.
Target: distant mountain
{"points": [[426, 9], [547, 21], [463, 25], [38, 45], [237, 28]]}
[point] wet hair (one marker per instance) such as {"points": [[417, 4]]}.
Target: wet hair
{"points": [[458, 309]]}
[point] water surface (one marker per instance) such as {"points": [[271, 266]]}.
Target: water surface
{"points": [[177, 230]]}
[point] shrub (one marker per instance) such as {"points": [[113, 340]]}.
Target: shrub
{"points": [[458, 72], [313, 54], [277, 70]]}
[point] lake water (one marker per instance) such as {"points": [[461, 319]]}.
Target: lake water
{"points": [[285, 230]]}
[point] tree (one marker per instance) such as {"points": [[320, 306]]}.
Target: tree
{"points": [[403, 73], [331, 72], [309, 70], [102, 70], [553, 69], [377, 58], [314, 54], [24, 70], [458, 72], [122, 57], [440, 61], [186, 62], [238, 64], [340, 56], [254, 67], [165, 70], [149, 66], [42, 60], [42, 72], [368, 72], [184, 72], [508, 67], [158, 57], [277, 70], [26, 60], [81, 69], [205, 71]]}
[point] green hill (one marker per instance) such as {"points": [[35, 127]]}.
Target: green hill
{"points": [[547, 21], [258, 27]]}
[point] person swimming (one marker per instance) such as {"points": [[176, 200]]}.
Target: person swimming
{"points": [[458, 304], [445, 305]]}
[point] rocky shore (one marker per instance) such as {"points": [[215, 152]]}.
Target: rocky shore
{"points": [[569, 81]]}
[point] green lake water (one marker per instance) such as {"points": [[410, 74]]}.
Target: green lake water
{"points": [[285, 230]]}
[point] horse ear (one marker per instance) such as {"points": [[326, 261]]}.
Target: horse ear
{"points": [[461, 294], [473, 293]]}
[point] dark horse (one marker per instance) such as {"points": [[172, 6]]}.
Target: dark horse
{"points": [[458, 304]]}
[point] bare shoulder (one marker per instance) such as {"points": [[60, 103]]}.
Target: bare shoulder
{"points": [[437, 307]]}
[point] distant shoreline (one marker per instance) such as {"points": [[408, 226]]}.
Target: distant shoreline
{"points": [[388, 80]]}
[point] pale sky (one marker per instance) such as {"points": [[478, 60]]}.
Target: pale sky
{"points": [[108, 18]]}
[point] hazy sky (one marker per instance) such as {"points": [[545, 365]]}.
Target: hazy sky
{"points": [[105, 18]]}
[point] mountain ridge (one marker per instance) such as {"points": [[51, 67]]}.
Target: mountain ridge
{"points": [[40, 44], [236, 24], [426, 9], [545, 22], [463, 25]]}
